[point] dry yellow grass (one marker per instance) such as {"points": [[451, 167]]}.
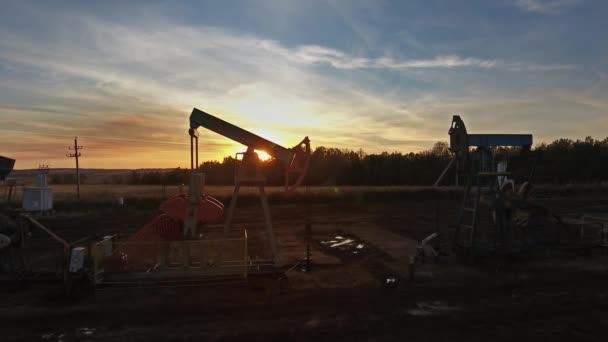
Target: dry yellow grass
{"points": [[109, 192]]}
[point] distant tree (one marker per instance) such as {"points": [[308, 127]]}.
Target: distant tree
{"points": [[134, 178], [118, 179], [561, 161], [66, 178], [441, 149]]}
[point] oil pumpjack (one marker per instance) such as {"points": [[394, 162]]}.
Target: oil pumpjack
{"points": [[295, 161], [179, 246], [487, 185]]}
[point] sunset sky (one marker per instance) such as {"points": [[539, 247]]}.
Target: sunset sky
{"points": [[378, 75]]}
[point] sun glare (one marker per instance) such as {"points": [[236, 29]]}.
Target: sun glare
{"points": [[263, 155]]}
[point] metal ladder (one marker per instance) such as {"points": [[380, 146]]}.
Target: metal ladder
{"points": [[468, 215]]}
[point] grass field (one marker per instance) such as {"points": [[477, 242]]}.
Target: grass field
{"points": [[107, 193], [110, 193], [345, 293]]}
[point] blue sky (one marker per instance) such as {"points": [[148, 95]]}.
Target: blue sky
{"points": [[377, 75]]}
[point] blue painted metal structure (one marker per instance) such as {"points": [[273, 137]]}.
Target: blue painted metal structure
{"points": [[488, 140], [461, 140]]}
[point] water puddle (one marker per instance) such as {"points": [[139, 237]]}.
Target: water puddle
{"points": [[78, 334], [390, 280], [341, 243], [433, 308], [347, 245]]}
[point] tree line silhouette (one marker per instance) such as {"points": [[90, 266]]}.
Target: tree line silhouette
{"points": [[559, 162]]}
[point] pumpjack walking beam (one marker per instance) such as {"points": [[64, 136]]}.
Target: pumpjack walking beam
{"points": [[295, 159]]}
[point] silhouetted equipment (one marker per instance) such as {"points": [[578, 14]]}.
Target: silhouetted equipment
{"points": [[6, 166], [39, 198], [295, 160], [20, 259]]}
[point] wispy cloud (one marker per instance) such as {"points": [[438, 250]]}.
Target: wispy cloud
{"points": [[546, 6], [132, 86], [541, 67], [313, 54]]}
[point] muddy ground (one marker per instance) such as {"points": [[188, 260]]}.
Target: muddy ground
{"points": [[358, 290]]}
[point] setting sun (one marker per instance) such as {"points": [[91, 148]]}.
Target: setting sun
{"points": [[263, 155]]}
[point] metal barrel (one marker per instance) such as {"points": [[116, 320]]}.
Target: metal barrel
{"points": [[198, 118]]}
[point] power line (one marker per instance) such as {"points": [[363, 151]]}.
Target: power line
{"points": [[76, 155]]}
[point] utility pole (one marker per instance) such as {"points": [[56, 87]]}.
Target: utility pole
{"points": [[75, 155]]}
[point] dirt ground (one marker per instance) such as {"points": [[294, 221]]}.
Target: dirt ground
{"points": [[354, 291]]}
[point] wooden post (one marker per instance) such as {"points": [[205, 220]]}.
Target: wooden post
{"points": [[456, 172], [269, 230], [308, 238], [75, 155], [438, 241], [230, 214], [195, 191]]}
